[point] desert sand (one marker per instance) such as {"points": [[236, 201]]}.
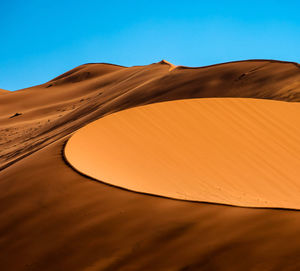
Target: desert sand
{"points": [[53, 218], [234, 151], [3, 91]]}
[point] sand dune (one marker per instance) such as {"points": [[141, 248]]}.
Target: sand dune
{"points": [[233, 151], [53, 218], [3, 91], [90, 91]]}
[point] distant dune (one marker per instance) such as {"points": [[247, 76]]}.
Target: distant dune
{"points": [[3, 91], [54, 218]]}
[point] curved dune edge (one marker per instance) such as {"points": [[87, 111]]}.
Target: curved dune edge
{"points": [[233, 151]]}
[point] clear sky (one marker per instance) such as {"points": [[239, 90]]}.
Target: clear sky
{"points": [[41, 39]]}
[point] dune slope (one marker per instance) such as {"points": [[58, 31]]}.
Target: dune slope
{"points": [[3, 91], [233, 151]]}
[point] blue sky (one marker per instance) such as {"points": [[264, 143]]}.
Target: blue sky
{"points": [[42, 39]]}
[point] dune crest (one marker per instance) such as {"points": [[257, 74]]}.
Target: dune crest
{"points": [[234, 151], [172, 66]]}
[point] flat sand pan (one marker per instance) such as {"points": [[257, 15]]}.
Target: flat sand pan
{"points": [[235, 151]]}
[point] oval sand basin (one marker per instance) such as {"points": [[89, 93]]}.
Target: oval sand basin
{"points": [[225, 150]]}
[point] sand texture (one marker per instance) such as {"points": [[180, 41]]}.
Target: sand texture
{"points": [[54, 218], [224, 150]]}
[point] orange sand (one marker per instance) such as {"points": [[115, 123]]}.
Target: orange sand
{"points": [[233, 151], [3, 91]]}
